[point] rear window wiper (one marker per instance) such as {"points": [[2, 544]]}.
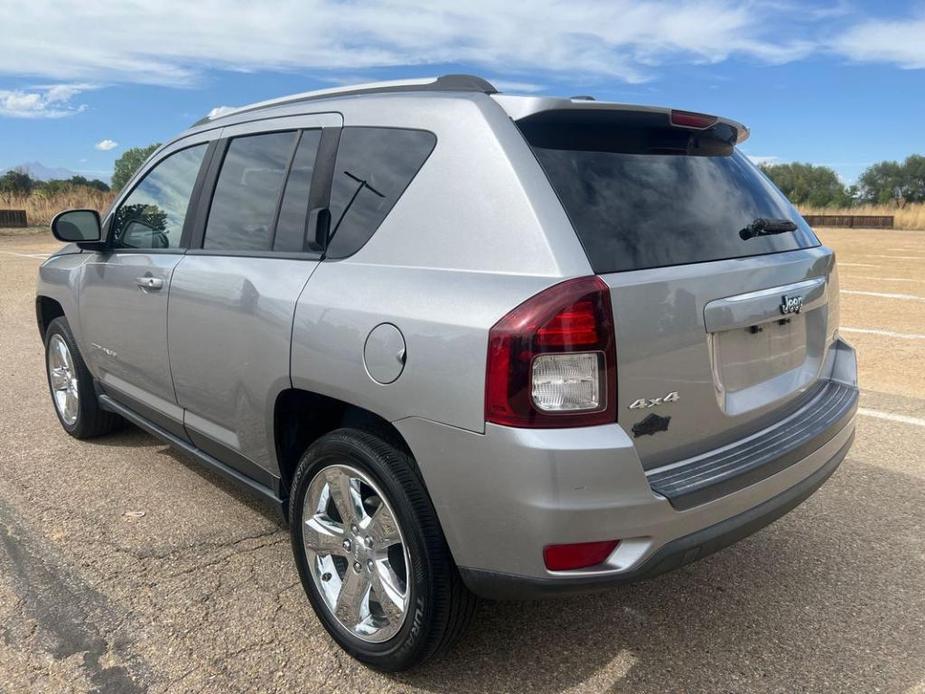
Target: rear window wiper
{"points": [[765, 227]]}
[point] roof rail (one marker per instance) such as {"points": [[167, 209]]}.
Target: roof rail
{"points": [[444, 83]]}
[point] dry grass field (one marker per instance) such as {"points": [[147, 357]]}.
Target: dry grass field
{"points": [[41, 208]]}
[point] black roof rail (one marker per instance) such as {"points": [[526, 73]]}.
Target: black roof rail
{"points": [[444, 83]]}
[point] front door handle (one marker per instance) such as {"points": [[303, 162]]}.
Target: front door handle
{"points": [[151, 283]]}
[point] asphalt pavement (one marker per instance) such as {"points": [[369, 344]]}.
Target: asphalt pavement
{"points": [[125, 567]]}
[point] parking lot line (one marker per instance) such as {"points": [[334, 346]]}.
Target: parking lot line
{"points": [[841, 264], [883, 279], [41, 256], [889, 416], [893, 257], [884, 333], [885, 295]]}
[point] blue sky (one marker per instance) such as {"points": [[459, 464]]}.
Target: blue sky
{"points": [[835, 83]]}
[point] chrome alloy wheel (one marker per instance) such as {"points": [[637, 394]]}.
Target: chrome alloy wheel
{"points": [[356, 554], [63, 378]]}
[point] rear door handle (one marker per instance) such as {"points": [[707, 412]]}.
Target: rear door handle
{"points": [[152, 283]]}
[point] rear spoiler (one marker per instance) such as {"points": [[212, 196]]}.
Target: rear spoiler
{"points": [[519, 107]]}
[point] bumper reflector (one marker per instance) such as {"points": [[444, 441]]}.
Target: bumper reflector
{"points": [[577, 556]]}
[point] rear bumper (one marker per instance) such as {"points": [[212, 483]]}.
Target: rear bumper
{"points": [[670, 556], [503, 495]]}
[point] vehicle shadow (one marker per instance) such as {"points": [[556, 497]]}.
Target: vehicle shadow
{"points": [[136, 438], [820, 600]]}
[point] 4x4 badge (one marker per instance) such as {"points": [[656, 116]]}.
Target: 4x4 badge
{"points": [[645, 403], [791, 304]]}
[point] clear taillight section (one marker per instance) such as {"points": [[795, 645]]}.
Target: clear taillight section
{"points": [[552, 360], [567, 382]]}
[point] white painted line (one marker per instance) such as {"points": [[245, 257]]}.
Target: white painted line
{"points": [[841, 264], [27, 255], [890, 417], [885, 295], [884, 333], [895, 257], [882, 279]]}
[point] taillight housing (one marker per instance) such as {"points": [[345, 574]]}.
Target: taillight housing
{"points": [[552, 360]]}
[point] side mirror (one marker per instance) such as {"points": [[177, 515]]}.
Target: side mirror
{"points": [[78, 226]]}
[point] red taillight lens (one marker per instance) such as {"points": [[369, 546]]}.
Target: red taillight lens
{"points": [[686, 119], [570, 327], [577, 556]]}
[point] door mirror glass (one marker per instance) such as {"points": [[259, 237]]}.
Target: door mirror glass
{"points": [[77, 226]]}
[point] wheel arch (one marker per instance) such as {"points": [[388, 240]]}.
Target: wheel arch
{"points": [[46, 310], [301, 417]]}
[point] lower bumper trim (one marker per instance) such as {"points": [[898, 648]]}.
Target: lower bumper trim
{"points": [[674, 554]]}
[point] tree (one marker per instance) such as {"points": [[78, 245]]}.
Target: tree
{"points": [[807, 184], [16, 182], [889, 181], [130, 161]]}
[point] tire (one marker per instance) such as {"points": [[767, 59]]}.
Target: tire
{"points": [[83, 418], [382, 480]]}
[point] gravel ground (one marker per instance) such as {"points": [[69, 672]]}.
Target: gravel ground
{"points": [[200, 594]]}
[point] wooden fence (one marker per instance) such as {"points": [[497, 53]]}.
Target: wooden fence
{"points": [[861, 221], [12, 218]]}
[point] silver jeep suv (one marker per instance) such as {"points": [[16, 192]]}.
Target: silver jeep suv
{"points": [[471, 344]]}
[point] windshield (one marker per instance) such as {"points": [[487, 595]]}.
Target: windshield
{"points": [[660, 196]]}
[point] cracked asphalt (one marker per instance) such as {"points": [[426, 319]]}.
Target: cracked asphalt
{"points": [[126, 568]]}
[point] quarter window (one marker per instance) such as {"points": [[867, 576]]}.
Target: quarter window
{"points": [[152, 215], [248, 192], [373, 168]]}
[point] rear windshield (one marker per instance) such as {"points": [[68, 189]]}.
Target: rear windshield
{"points": [[643, 194]]}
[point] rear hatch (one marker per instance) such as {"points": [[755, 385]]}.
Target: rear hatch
{"points": [[721, 292]]}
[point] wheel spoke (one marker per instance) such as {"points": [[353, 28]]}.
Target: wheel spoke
{"points": [[352, 598], [383, 529], [323, 536], [346, 498], [59, 379], [70, 405], [388, 595]]}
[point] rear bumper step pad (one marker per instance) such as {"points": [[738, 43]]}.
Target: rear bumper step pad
{"points": [[708, 477]]}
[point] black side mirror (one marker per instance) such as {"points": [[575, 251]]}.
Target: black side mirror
{"points": [[78, 226]]}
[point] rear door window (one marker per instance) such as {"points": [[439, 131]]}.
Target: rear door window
{"points": [[641, 194], [290, 227], [373, 168], [248, 191]]}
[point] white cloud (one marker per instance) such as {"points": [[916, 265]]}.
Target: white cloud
{"points": [[106, 145], [622, 39], [515, 87], [43, 101], [220, 111], [901, 42]]}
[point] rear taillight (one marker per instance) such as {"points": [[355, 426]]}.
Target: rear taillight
{"points": [[552, 360]]}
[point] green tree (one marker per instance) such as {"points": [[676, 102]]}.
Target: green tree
{"points": [[887, 181], [807, 184], [130, 161], [16, 182]]}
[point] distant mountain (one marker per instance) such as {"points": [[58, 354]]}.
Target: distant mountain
{"points": [[40, 172]]}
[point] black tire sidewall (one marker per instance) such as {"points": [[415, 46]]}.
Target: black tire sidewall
{"points": [[85, 390], [410, 644]]}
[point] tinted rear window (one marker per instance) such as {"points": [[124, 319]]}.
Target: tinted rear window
{"points": [[373, 168], [247, 192], [641, 194]]}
